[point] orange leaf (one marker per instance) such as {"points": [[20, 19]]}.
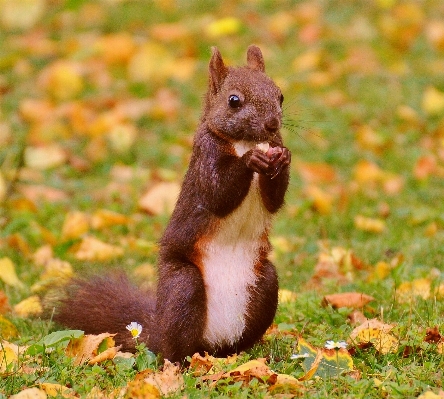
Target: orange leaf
{"points": [[347, 299]]}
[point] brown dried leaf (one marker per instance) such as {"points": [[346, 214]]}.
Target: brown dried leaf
{"points": [[167, 381], [347, 300], [433, 336]]}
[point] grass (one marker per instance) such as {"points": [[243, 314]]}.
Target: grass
{"points": [[342, 65]]}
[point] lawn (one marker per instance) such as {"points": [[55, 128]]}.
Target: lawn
{"points": [[99, 101]]}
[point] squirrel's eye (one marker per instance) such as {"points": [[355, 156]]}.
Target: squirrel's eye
{"points": [[281, 99], [234, 101]]}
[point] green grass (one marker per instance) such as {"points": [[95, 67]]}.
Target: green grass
{"points": [[364, 66]]}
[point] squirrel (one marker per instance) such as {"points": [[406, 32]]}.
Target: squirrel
{"points": [[217, 292]]}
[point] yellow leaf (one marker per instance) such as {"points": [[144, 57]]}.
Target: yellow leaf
{"points": [[63, 80], [286, 296], [160, 198], [8, 354], [8, 274], [22, 14], [29, 307], [75, 225], [30, 393], [45, 157], [223, 27], [116, 48], [92, 249], [307, 61], [2, 187], [433, 101], [431, 395], [408, 290], [371, 225], [122, 137], [141, 389], [7, 329], [321, 200], [103, 218], [380, 271], [52, 389], [151, 63], [378, 334]]}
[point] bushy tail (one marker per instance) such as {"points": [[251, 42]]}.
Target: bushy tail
{"points": [[107, 304]]}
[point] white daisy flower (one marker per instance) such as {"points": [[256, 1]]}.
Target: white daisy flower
{"points": [[335, 345], [135, 329]]}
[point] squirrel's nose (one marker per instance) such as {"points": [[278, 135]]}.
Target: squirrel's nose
{"points": [[272, 124]]}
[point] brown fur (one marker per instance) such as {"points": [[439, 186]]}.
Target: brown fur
{"points": [[215, 184]]}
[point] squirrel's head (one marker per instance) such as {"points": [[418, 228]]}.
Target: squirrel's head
{"points": [[243, 103]]}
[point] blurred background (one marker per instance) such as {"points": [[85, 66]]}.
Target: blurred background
{"points": [[99, 101]]}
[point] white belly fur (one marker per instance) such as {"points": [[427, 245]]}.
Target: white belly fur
{"points": [[229, 260]]}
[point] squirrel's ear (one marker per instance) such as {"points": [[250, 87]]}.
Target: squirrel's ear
{"points": [[255, 60], [218, 70]]}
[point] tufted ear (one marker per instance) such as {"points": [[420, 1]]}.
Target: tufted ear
{"points": [[218, 71], [255, 60]]}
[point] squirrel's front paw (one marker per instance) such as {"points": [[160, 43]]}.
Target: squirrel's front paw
{"points": [[279, 157], [258, 161]]}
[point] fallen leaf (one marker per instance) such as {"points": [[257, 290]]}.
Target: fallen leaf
{"points": [[167, 381], [141, 389], [22, 14], [323, 362], [86, 347], [425, 167], [107, 354], [376, 333], [8, 355], [4, 303], [160, 198], [8, 274], [356, 317], [58, 390], [433, 101], [2, 187], [30, 393], [75, 225], [409, 290], [433, 336], [122, 137], [62, 79], [431, 395], [103, 218], [201, 365], [92, 249], [223, 27], [31, 306], [371, 225], [7, 329], [45, 157], [315, 173], [347, 299], [322, 201], [116, 48], [286, 296]]}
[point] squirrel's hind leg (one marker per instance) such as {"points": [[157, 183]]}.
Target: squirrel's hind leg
{"points": [[181, 311]]}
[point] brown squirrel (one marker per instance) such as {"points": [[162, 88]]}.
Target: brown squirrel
{"points": [[217, 291]]}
